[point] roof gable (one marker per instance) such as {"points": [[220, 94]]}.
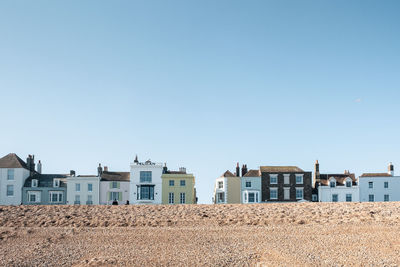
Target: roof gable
{"points": [[12, 161], [115, 176], [252, 173], [228, 174]]}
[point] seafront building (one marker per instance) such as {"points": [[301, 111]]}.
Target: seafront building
{"points": [[285, 184], [336, 187], [227, 188], [145, 182], [378, 187], [178, 187], [45, 189], [114, 187], [83, 189], [250, 186]]}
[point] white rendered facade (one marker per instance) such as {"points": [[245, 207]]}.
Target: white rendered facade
{"points": [[110, 190], [11, 182], [83, 190], [380, 187], [221, 190], [145, 183], [348, 192], [250, 190]]}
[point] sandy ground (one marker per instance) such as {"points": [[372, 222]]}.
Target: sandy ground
{"points": [[306, 234]]}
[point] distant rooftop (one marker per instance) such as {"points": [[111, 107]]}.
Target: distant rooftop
{"points": [[280, 169], [12, 161]]}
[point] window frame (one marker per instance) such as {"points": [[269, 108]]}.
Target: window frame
{"points": [[248, 184], [270, 193], [349, 199], [275, 177], [182, 198], [171, 182], [10, 171], [171, 198], [386, 198], [386, 184], [301, 177], [146, 177], [90, 187], [371, 198], [7, 191], [182, 182], [370, 184], [302, 193], [335, 196]]}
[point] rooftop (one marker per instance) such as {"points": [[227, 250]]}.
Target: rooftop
{"points": [[12, 161], [280, 169], [45, 180], [375, 175], [115, 176], [253, 173]]}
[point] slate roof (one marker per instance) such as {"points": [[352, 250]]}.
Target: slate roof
{"points": [[228, 174], [12, 161], [115, 176], [375, 175], [340, 178], [274, 169], [253, 173], [46, 180]]}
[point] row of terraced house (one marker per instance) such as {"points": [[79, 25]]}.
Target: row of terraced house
{"points": [[22, 182], [292, 184]]}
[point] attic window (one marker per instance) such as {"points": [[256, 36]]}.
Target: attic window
{"points": [[56, 183], [34, 183], [348, 183], [332, 183]]}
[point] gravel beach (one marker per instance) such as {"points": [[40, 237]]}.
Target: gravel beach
{"points": [[300, 234]]}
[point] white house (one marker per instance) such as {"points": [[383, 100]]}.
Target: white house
{"points": [[83, 189], [146, 182], [377, 187], [251, 187], [114, 186], [336, 187], [13, 173]]}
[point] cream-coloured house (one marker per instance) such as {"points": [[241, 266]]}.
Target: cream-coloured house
{"points": [[178, 187], [227, 189]]}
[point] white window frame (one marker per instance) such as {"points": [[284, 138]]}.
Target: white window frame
{"points": [[182, 183], [37, 195], [171, 197], [275, 176], [301, 177], [114, 196], [219, 184], [182, 198], [56, 183], [302, 193], [114, 185], [171, 183], [369, 198], [10, 174], [314, 197], [7, 191], [273, 190], [59, 194], [35, 183], [88, 187], [332, 181], [246, 184], [219, 199], [349, 182]]}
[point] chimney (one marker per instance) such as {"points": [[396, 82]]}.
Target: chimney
{"points": [[99, 170], [72, 173], [317, 175], [244, 169], [182, 169], [237, 170], [391, 169], [136, 160], [165, 168], [105, 168], [39, 167]]}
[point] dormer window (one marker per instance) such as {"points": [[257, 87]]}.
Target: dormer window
{"points": [[56, 183], [34, 182], [349, 183], [332, 183]]}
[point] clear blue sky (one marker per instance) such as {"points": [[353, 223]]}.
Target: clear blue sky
{"points": [[201, 84]]}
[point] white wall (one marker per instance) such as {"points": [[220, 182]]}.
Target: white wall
{"points": [[325, 193], [20, 175], [105, 188], [255, 187], [378, 189], [83, 181], [224, 189], [156, 169]]}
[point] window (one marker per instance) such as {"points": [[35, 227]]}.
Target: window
{"points": [[56, 197], [248, 184], [251, 198], [90, 187], [286, 193], [183, 198], [10, 190], [77, 199], [146, 192], [314, 198], [77, 187], [34, 183], [299, 179], [145, 176], [10, 174], [370, 184], [183, 183], [171, 183], [220, 185], [274, 179], [371, 198], [114, 196], [386, 198], [220, 197], [33, 196], [386, 185], [332, 183], [286, 178], [335, 198], [89, 200], [114, 185], [299, 193], [56, 183], [349, 197], [171, 198], [273, 194], [349, 183]]}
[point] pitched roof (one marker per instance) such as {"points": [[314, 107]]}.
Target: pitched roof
{"points": [[12, 161], [228, 174], [115, 176], [340, 178], [252, 173], [45, 180], [376, 175], [280, 169]]}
